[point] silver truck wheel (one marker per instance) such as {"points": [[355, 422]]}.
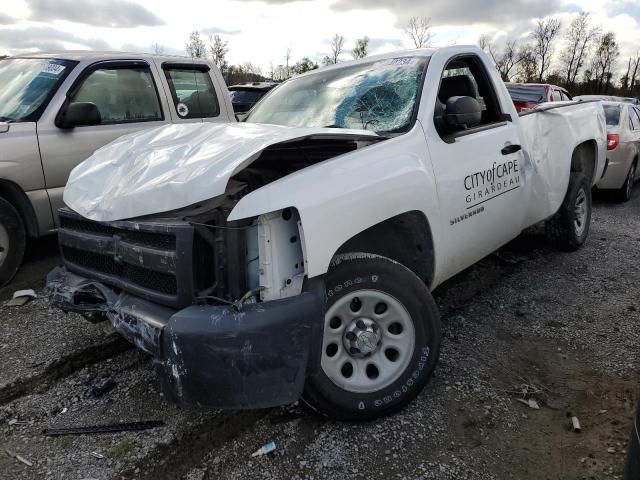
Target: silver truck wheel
{"points": [[624, 194], [368, 341], [12, 241], [378, 343]]}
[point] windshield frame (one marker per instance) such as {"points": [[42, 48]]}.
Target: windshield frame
{"points": [[37, 113], [399, 131]]}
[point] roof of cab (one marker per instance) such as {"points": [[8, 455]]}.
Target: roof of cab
{"points": [[90, 55]]}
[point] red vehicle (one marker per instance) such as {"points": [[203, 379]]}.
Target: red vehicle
{"points": [[526, 96]]}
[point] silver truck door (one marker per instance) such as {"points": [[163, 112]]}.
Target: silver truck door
{"points": [[479, 171], [128, 99]]}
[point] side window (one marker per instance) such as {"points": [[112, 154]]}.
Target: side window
{"points": [[467, 77], [122, 94], [634, 121], [193, 93], [556, 96], [633, 113]]}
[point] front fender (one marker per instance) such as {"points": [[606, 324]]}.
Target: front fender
{"points": [[341, 197]]}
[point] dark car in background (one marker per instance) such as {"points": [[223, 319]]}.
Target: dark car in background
{"points": [[526, 96], [632, 467], [246, 95]]}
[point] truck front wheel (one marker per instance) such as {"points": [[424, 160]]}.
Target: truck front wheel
{"points": [[12, 241], [568, 229], [380, 342]]}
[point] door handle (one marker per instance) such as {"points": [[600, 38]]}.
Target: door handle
{"points": [[509, 149]]}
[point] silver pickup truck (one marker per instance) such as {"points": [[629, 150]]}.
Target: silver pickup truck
{"points": [[57, 109]]}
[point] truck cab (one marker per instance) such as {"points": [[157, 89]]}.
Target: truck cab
{"points": [[56, 109]]}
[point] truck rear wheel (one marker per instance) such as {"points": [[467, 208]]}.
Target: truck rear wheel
{"points": [[568, 229], [12, 241], [380, 342]]}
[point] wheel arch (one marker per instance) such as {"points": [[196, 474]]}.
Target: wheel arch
{"points": [[584, 159], [13, 194], [405, 238]]}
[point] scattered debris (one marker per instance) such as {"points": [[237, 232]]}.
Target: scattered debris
{"points": [[20, 458], [21, 297], [268, 448], [64, 410], [531, 403], [575, 425], [611, 450], [102, 387], [97, 455], [111, 428], [15, 421]]}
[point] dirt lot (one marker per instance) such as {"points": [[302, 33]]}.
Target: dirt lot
{"points": [[527, 322]]}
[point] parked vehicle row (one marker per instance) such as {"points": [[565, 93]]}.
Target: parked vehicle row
{"points": [[57, 109], [293, 255], [526, 96], [623, 149]]}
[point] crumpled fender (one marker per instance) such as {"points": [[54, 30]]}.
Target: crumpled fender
{"points": [[340, 198]]}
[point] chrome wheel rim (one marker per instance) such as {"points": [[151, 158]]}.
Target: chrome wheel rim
{"points": [[4, 243], [368, 341], [580, 212], [630, 179]]}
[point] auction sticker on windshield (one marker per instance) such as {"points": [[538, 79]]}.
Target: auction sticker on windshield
{"points": [[53, 69]]}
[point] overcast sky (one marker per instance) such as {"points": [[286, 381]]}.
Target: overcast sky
{"points": [[261, 31]]}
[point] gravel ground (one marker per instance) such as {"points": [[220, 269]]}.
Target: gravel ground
{"points": [[525, 323]]}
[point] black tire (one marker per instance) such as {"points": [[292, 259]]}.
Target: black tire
{"points": [[361, 272], [562, 229], [624, 194], [12, 234], [632, 465]]}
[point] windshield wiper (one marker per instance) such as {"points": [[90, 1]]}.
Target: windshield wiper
{"points": [[332, 126], [7, 119]]}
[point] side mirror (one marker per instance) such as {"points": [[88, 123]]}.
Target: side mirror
{"points": [[462, 113], [79, 114]]}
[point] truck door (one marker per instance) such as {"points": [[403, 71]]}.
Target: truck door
{"points": [[480, 171], [127, 98]]}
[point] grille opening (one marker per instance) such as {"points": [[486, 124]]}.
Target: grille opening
{"points": [[148, 279]]}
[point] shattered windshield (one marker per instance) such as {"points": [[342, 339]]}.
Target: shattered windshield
{"points": [[27, 85], [378, 96]]}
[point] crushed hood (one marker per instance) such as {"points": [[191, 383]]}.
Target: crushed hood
{"points": [[174, 166]]}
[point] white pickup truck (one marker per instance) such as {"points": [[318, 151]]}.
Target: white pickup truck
{"points": [[294, 256]]}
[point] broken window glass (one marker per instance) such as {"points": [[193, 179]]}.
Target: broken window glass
{"points": [[378, 96]]}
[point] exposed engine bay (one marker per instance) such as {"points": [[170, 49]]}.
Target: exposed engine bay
{"points": [[193, 255]]}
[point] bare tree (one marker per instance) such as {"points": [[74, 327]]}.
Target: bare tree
{"points": [[606, 55], [361, 48], [527, 65], [219, 49], [507, 59], [484, 42], [633, 78], [578, 41], [195, 47], [287, 58], [419, 30], [158, 49], [336, 47], [544, 36]]}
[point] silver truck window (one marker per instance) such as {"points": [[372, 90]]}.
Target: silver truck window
{"points": [[122, 94], [193, 93], [27, 86], [633, 117], [379, 96]]}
